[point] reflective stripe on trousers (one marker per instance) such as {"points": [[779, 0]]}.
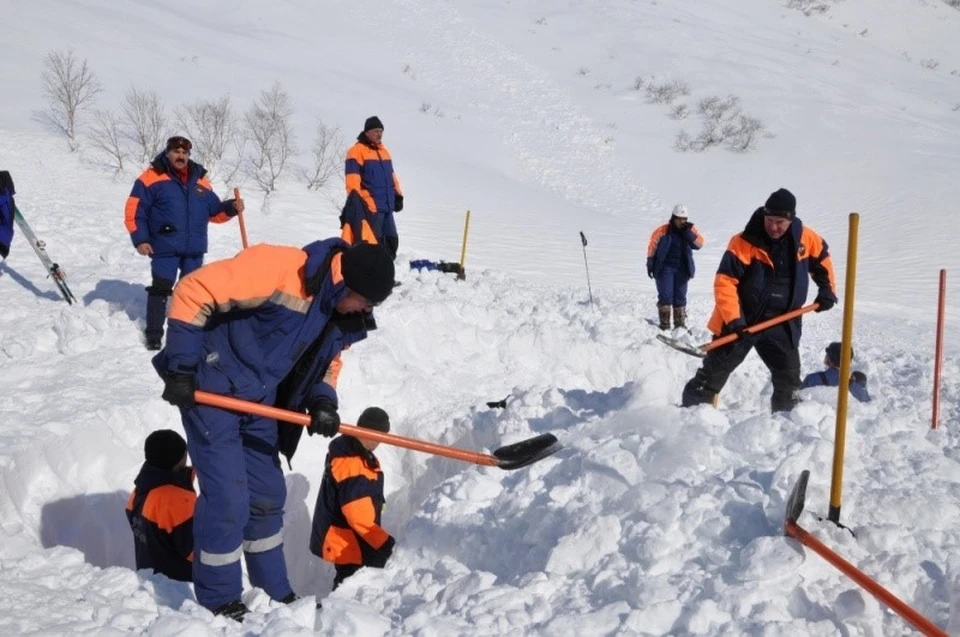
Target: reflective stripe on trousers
{"points": [[262, 545]]}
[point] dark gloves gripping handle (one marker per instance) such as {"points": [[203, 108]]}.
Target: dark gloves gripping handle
{"points": [[178, 389], [324, 419]]}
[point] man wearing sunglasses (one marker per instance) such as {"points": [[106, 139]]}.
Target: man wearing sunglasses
{"points": [[763, 274], [268, 326], [166, 215]]}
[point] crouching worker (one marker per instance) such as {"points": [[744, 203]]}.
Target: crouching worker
{"points": [[346, 520], [160, 509], [830, 377]]}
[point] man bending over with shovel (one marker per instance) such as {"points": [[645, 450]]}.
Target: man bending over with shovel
{"points": [[266, 326], [763, 274]]}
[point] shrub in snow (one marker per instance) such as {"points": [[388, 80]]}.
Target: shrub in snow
{"points": [[144, 122], [270, 136], [218, 141], [723, 124], [69, 87], [327, 152], [666, 92], [107, 140], [680, 111], [809, 7]]}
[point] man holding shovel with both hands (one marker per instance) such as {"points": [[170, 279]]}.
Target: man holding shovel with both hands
{"points": [[762, 275]]}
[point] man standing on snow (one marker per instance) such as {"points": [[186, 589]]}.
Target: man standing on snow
{"points": [[763, 274], [373, 191], [166, 215], [670, 262], [266, 326]]}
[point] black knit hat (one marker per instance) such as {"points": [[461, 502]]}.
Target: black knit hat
{"points": [[374, 418], [368, 270], [782, 203], [833, 353], [371, 123], [164, 449]]}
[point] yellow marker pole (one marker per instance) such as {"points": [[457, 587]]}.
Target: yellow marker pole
{"points": [[463, 251], [843, 391]]}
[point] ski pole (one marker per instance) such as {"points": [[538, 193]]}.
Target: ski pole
{"points": [[519, 454], [243, 226], [462, 274], [583, 239]]}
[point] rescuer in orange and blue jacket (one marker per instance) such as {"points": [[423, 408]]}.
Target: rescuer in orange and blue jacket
{"points": [[368, 172], [763, 274], [347, 530], [670, 263], [160, 508], [266, 326], [167, 214]]}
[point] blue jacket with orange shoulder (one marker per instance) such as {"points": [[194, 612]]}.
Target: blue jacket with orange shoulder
{"points": [[741, 285], [369, 171], [242, 324], [346, 520], [661, 240], [171, 215], [830, 377], [160, 512]]}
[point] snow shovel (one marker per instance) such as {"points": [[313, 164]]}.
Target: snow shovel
{"points": [[519, 454], [792, 529], [701, 350]]}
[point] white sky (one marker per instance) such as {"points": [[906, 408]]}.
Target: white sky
{"points": [[653, 519]]}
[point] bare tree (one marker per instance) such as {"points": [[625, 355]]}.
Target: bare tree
{"points": [[327, 152], [213, 128], [106, 137], [69, 87], [145, 121], [271, 136]]}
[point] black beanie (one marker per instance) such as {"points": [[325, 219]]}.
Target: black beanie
{"points": [[371, 123], [782, 203], [833, 353], [374, 418], [164, 449], [368, 270]]}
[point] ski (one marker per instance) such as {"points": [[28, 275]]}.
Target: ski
{"points": [[53, 269]]}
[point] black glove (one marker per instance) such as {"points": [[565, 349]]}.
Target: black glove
{"points": [[650, 273], [382, 554], [178, 389], [687, 225], [739, 327], [324, 419], [397, 202], [825, 300]]}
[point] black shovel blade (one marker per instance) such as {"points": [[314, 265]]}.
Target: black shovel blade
{"points": [[686, 348], [797, 497], [526, 452]]}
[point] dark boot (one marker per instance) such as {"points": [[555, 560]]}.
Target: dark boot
{"points": [[696, 392], [664, 311], [157, 295], [680, 317], [783, 401], [234, 610]]}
